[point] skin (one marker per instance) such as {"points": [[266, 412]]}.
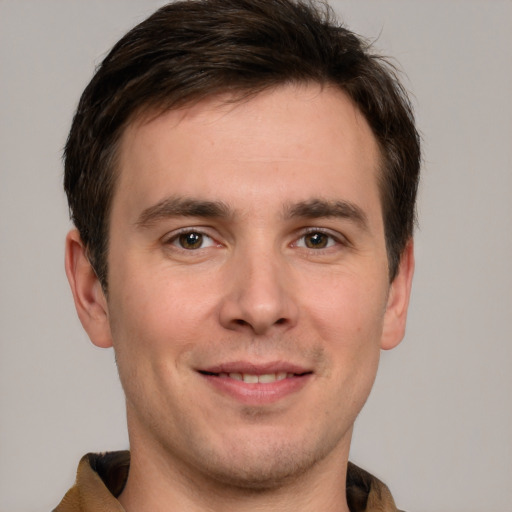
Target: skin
{"points": [[292, 271]]}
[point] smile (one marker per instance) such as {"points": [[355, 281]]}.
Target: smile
{"points": [[254, 385], [250, 378]]}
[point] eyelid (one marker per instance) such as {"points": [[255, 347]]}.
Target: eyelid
{"points": [[173, 236], [338, 238]]}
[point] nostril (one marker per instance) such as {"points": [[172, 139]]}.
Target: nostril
{"points": [[239, 321]]}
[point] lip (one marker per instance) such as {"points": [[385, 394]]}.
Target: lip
{"points": [[256, 393], [255, 368]]}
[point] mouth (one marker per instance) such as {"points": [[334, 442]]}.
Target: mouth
{"points": [[256, 384], [254, 378]]}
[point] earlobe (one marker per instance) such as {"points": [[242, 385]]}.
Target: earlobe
{"points": [[90, 302], [398, 301]]}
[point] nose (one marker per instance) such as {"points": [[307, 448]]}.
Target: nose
{"points": [[259, 295]]}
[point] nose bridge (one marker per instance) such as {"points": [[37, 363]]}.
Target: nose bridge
{"points": [[259, 295]]}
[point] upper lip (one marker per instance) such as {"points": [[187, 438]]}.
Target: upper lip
{"points": [[255, 368]]}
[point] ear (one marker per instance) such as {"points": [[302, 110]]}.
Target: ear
{"points": [[90, 301], [398, 300]]}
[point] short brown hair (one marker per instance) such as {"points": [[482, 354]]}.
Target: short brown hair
{"points": [[192, 49]]}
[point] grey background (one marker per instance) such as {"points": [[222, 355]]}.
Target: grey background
{"points": [[437, 427]]}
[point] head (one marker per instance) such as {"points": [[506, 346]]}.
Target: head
{"points": [[193, 50], [243, 172]]}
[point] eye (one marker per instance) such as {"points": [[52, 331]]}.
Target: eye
{"points": [[191, 240], [316, 240]]}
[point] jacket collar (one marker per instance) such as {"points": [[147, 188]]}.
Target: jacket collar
{"points": [[102, 477]]}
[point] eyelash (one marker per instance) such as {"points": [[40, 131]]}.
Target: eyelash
{"points": [[332, 239], [175, 238]]}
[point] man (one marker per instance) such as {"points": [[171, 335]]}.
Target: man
{"points": [[242, 177]]}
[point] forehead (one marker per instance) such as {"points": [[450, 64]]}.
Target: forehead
{"points": [[287, 141]]}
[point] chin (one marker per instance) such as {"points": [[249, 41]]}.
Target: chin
{"points": [[263, 467], [258, 477]]}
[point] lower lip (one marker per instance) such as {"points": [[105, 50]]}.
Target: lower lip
{"points": [[258, 393]]}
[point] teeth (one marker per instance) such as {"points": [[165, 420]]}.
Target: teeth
{"points": [[254, 379]]}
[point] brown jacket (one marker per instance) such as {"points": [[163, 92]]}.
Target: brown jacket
{"points": [[101, 478]]}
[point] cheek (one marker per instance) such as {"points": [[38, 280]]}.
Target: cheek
{"points": [[151, 339], [156, 329], [156, 309], [348, 317], [348, 310]]}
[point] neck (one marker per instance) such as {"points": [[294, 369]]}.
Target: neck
{"points": [[159, 483]]}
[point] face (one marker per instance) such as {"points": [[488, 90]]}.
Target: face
{"points": [[248, 283]]}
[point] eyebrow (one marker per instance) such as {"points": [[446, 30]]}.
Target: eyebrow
{"points": [[318, 208], [188, 207], [182, 207]]}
